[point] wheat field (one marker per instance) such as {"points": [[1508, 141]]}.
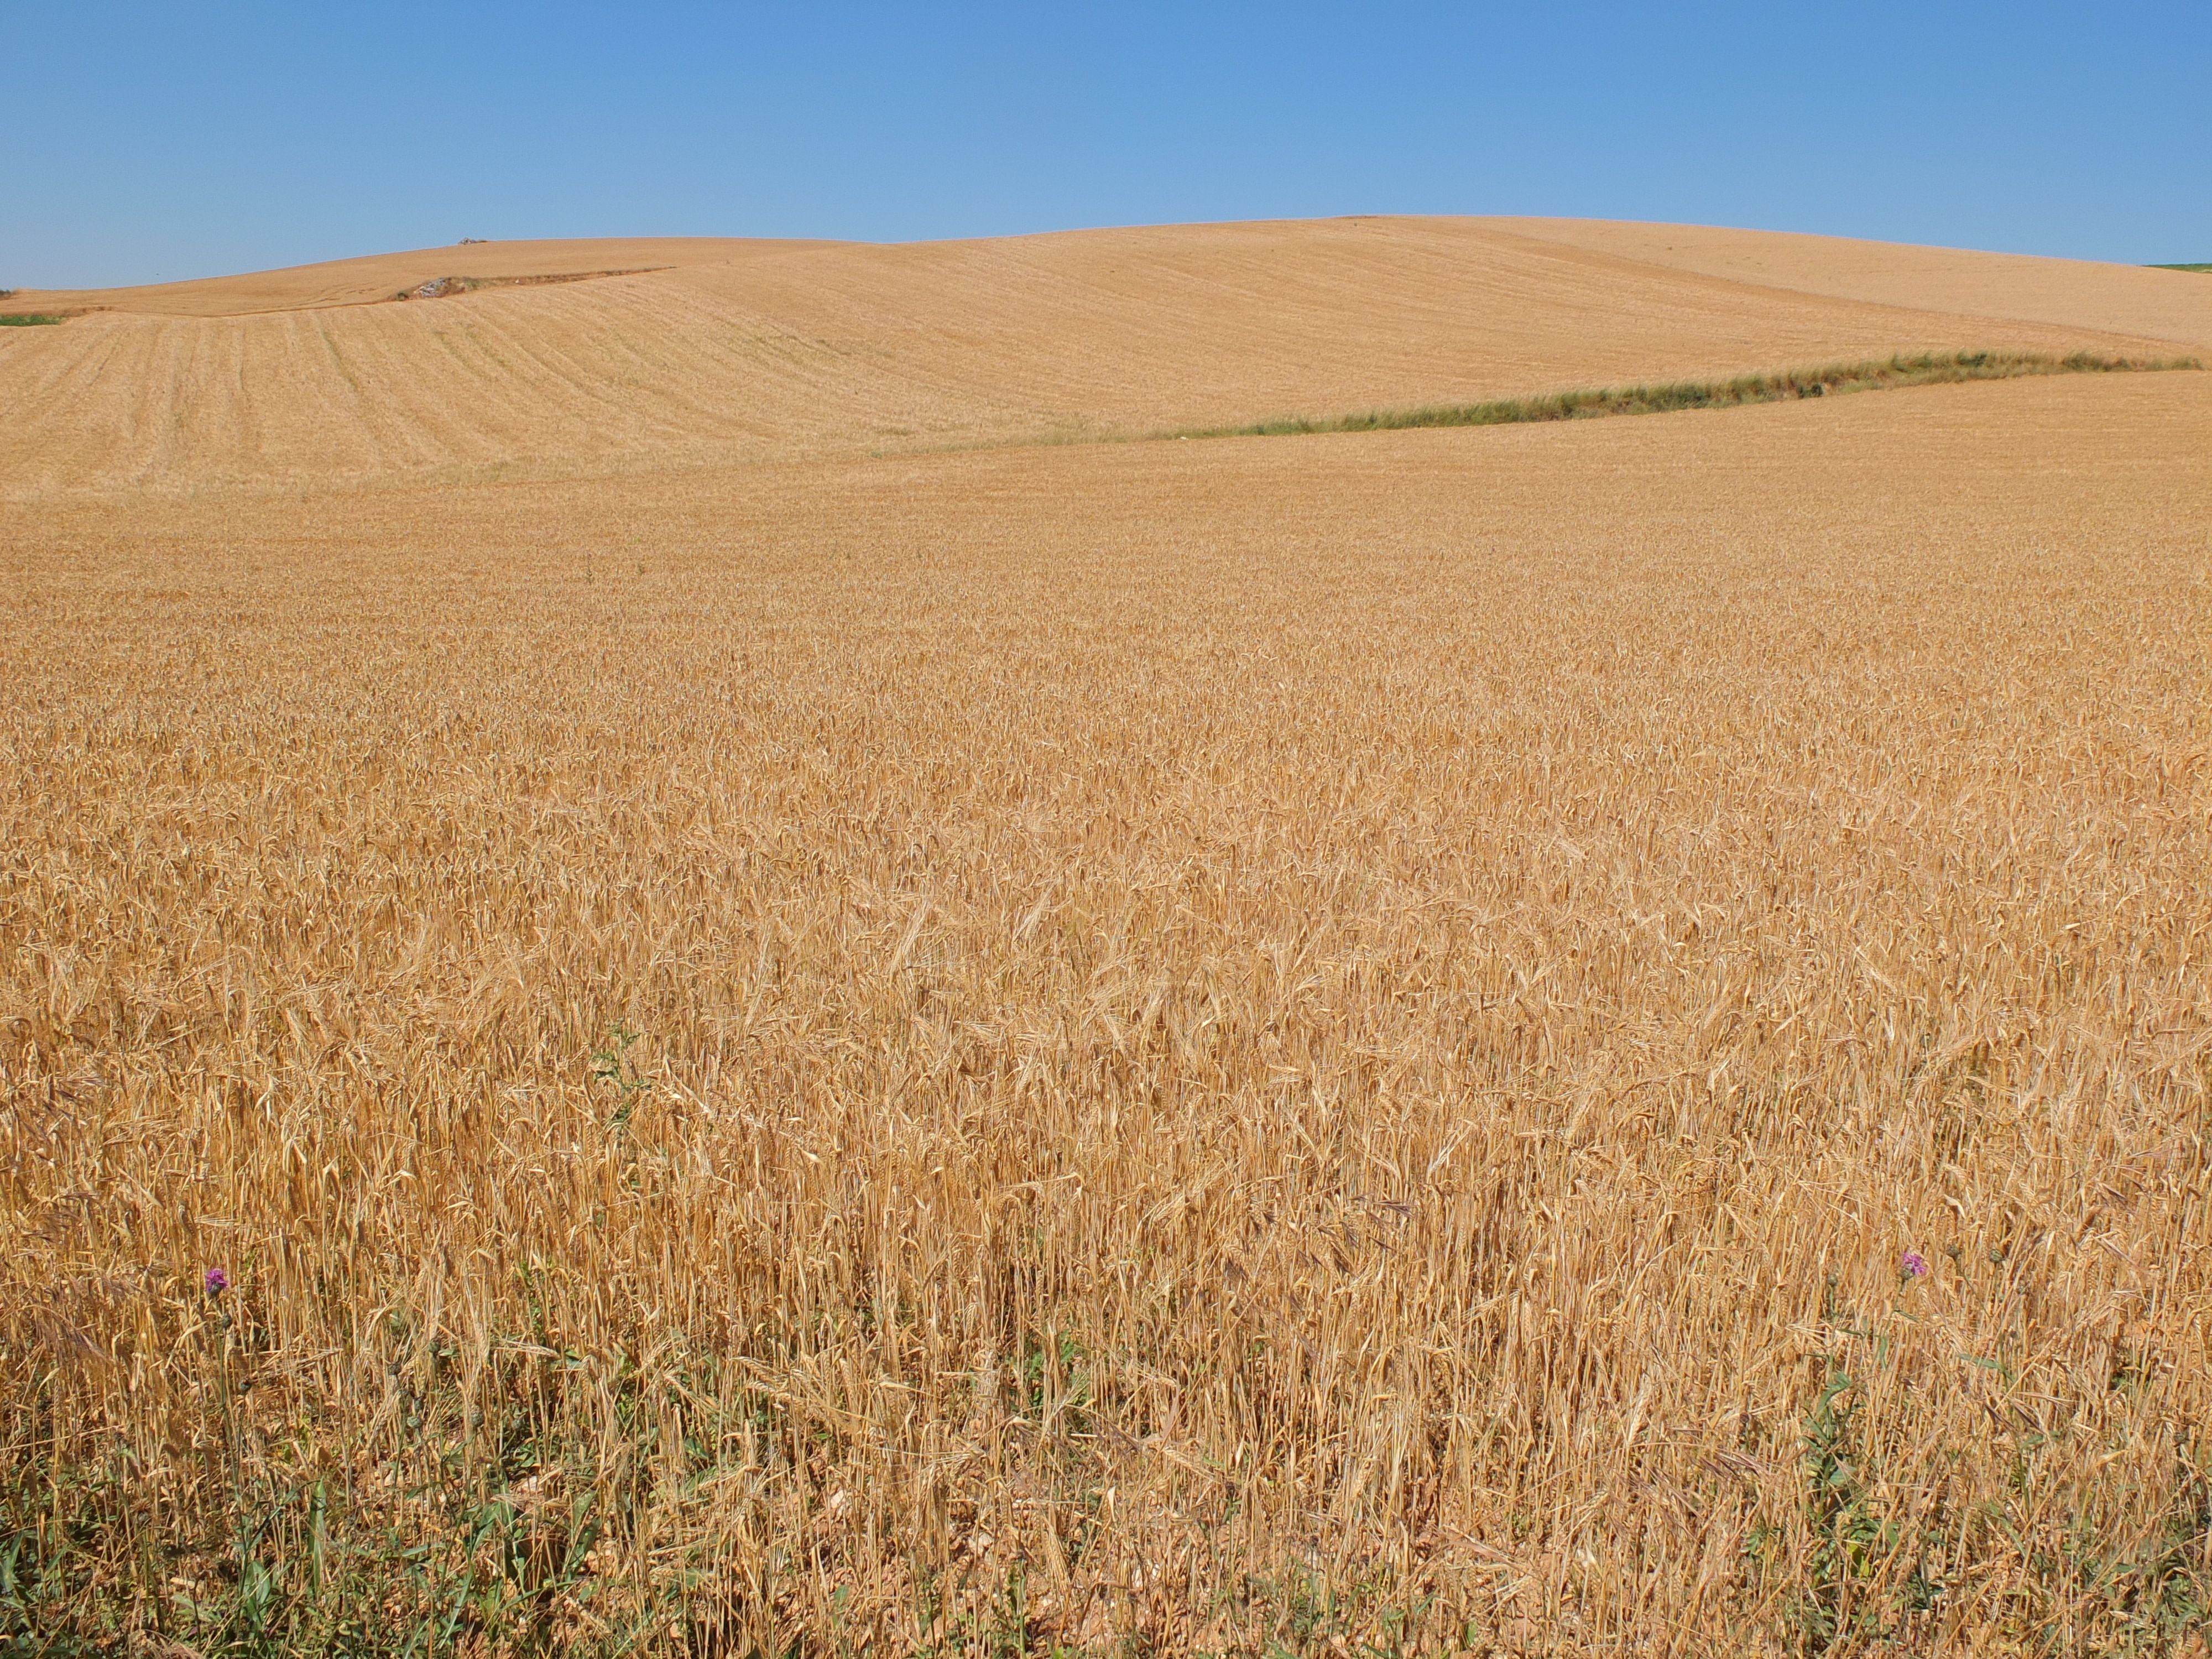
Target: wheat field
{"points": [[1547, 1039]]}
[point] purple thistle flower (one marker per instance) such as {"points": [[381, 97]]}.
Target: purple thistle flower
{"points": [[217, 1281], [1915, 1264]]}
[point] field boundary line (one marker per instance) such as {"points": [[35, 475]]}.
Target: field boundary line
{"points": [[1878, 374]]}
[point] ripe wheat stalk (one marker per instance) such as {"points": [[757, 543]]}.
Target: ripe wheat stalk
{"points": [[1102, 1049]]}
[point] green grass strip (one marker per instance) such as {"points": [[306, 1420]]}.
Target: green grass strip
{"points": [[2207, 269], [1836, 378], [28, 319]]}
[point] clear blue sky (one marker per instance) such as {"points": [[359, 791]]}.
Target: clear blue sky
{"points": [[141, 141]]}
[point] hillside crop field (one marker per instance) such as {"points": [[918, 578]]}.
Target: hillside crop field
{"points": [[693, 962]]}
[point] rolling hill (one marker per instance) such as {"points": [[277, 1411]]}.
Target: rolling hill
{"points": [[706, 352]]}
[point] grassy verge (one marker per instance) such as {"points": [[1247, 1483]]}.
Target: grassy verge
{"points": [[28, 318], [2206, 268], [1834, 377]]}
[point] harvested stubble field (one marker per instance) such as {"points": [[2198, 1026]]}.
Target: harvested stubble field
{"points": [[1331, 1043]]}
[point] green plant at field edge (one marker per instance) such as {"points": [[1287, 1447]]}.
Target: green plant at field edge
{"points": [[1833, 379]]}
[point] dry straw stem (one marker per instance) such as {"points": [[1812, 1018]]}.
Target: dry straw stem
{"points": [[1243, 1047]]}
